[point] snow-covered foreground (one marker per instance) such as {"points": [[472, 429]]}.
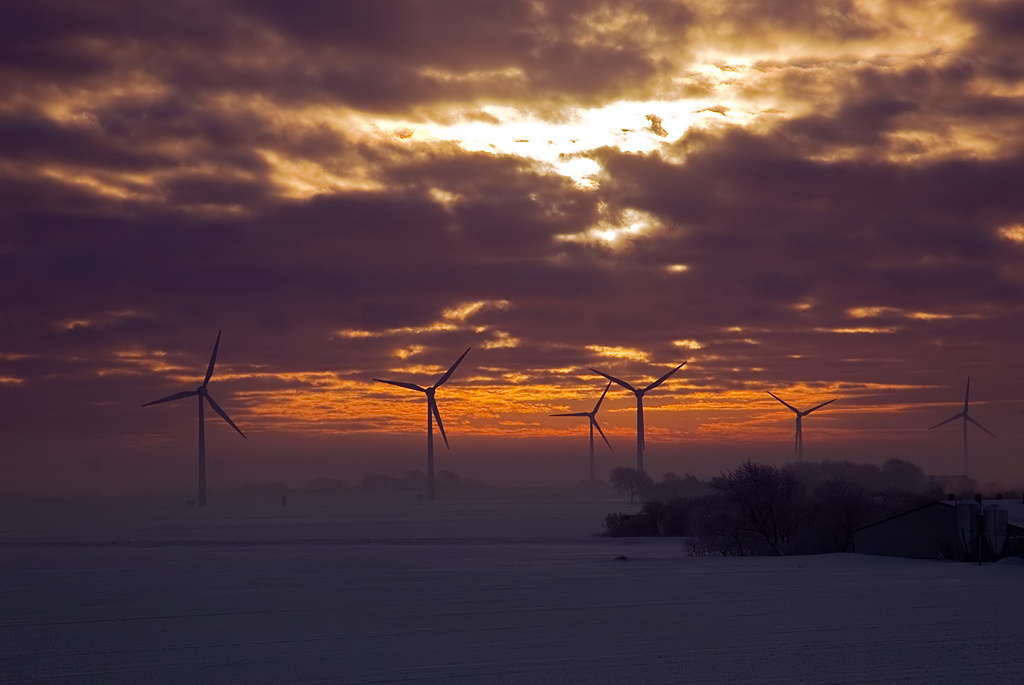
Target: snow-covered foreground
{"points": [[487, 591]]}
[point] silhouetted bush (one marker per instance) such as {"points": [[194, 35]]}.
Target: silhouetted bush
{"points": [[325, 484], [671, 518], [802, 508], [672, 486], [262, 489], [630, 525]]}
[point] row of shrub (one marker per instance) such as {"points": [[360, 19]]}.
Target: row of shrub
{"points": [[766, 509]]}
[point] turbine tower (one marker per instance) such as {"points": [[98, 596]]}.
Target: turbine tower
{"points": [[799, 422], [204, 396], [592, 416], [966, 417], [432, 414], [639, 392]]}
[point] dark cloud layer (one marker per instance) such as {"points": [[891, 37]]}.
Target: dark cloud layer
{"points": [[170, 171]]}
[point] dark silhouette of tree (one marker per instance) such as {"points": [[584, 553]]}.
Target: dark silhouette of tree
{"points": [[837, 508], [903, 476], [768, 502], [672, 486], [632, 481]]}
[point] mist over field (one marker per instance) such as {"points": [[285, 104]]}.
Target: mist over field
{"points": [[514, 587]]}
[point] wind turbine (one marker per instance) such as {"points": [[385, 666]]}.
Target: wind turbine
{"points": [[639, 408], [591, 415], [799, 422], [432, 414], [204, 396], [966, 417]]}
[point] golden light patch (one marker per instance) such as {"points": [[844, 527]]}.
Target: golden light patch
{"points": [[404, 353], [677, 268], [688, 344], [929, 316], [436, 327], [870, 312], [443, 197], [418, 369], [1013, 233], [860, 330], [302, 179], [11, 380], [73, 324], [501, 340], [463, 311], [615, 232], [104, 319], [619, 352], [148, 361]]}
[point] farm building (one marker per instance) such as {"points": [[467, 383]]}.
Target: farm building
{"points": [[939, 530]]}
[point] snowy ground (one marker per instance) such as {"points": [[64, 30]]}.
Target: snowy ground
{"points": [[491, 588]]}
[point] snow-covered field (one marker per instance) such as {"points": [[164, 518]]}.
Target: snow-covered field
{"points": [[493, 587]]}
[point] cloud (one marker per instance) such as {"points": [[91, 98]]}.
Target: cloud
{"points": [[826, 199]]}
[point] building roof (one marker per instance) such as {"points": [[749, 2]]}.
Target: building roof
{"points": [[1014, 510]]}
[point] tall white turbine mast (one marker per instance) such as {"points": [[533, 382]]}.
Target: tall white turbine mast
{"points": [[799, 422], [204, 396], [432, 414], [966, 417], [592, 417], [639, 408]]}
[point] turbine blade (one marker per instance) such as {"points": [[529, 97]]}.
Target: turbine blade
{"points": [[176, 396], [664, 378], [448, 373], [967, 395], [598, 427], [437, 417], [819, 406], [582, 413], [951, 418], [598, 405], [623, 383], [791, 407], [980, 426], [401, 384], [223, 414], [213, 360]]}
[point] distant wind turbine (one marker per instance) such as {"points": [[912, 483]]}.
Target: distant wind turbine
{"points": [[203, 394], [639, 408], [432, 414], [966, 417], [592, 416], [799, 422]]}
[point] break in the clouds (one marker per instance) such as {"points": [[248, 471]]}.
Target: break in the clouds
{"points": [[819, 199]]}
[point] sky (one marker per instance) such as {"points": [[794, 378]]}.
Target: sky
{"points": [[818, 199]]}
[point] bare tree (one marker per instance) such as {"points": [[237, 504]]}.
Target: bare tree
{"points": [[632, 481], [768, 502]]}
